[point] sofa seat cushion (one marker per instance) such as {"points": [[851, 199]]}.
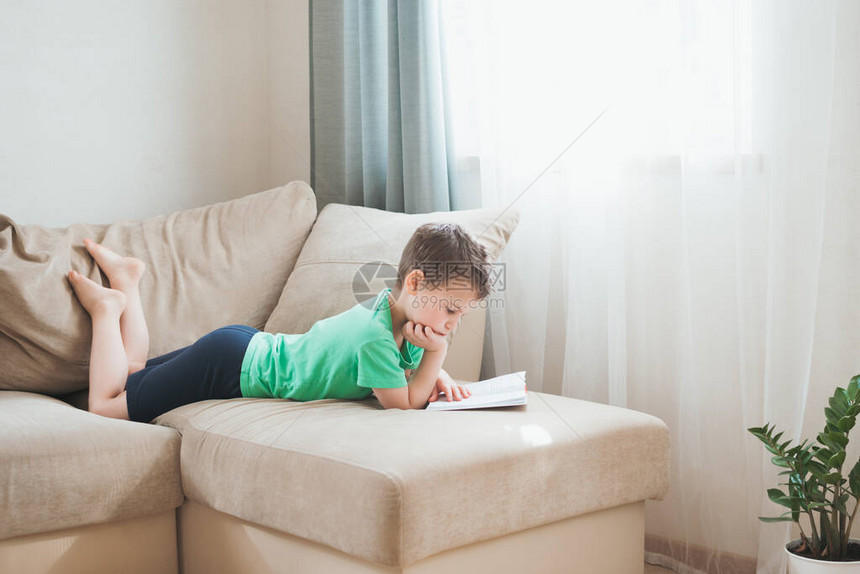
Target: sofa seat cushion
{"points": [[64, 467], [395, 486]]}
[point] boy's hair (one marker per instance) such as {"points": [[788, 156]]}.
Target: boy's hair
{"points": [[448, 256]]}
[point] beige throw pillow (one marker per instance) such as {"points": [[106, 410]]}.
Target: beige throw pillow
{"points": [[206, 267]]}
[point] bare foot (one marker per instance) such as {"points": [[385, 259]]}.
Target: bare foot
{"points": [[94, 297], [122, 272]]}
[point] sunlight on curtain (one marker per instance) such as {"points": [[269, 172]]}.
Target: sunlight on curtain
{"points": [[687, 173]]}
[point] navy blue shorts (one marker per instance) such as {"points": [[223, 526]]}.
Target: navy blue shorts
{"points": [[208, 369]]}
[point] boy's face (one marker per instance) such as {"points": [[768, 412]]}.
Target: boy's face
{"points": [[442, 307]]}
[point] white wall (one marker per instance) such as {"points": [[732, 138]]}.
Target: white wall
{"points": [[289, 91], [112, 110]]}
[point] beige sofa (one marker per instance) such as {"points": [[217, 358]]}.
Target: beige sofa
{"points": [[266, 485]]}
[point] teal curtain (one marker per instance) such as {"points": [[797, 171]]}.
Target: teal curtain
{"points": [[379, 129]]}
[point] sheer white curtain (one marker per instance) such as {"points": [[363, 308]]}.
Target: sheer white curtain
{"points": [[688, 174]]}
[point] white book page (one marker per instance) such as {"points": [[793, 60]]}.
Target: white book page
{"points": [[498, 389], [512, 382]]}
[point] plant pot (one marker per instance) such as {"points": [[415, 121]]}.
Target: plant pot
{"points": [[802, 565]]}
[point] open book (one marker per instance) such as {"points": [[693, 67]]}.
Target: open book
{"points": [[504, 391]]}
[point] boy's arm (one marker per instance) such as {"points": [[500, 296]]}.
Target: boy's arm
{"points": [[423, 380], [416, 393], [409, 397], [443, 375]]}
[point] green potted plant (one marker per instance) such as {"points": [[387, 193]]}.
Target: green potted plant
{"points": [[818, 489]]}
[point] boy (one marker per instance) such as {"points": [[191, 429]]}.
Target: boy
{"points": [[394, 350]]}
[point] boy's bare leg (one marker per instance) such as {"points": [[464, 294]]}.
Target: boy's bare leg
{"points": [[108, 362], [124, 274]]}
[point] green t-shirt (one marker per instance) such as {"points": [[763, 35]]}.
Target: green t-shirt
{"points": [[341, 357]]}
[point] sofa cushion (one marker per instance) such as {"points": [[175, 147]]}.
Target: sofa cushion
{"points": [[64, 467], [206, 267], [395, 486], [346, 238]]}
